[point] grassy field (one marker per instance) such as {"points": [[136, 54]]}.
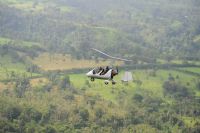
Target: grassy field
{"points": [[6, 74], [38, 82], [4, 40], [24, 5], [148, 83], [7, 67], [2, 86], [176, 61], [9, 41], [60, 62], [192, 69], [34, 5]]}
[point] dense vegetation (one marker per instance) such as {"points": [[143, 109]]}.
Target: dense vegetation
{"points": [[157, 101], [148, 29], [43, 43]]}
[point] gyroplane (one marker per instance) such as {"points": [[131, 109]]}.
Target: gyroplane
{"points": [[106, 73]]}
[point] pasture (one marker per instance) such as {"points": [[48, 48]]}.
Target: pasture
{"points": [[192, 69], [147, 82], [9, 41], [35, 6], [9, 69], [48, 61]]}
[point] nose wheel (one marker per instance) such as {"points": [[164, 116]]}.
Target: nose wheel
{"points": [[106, 82]]}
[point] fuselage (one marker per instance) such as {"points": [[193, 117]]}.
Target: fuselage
{"points": [[99, 75]]}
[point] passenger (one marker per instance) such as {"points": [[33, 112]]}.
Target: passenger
{"points": [[100, 69], [107, 68], [102, 73]]}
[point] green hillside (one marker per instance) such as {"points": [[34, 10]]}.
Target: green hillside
{"points": [[45, 53], [164, 27]]}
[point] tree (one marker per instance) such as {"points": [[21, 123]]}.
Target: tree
{"points": [[12, 112], [69, 97], [30, 114], [21, 86], [7, 127], [84, 114], [48, 87], [198, 84], [171, 78], [64, 83], [152, 73], [175, 89], [138, 97], [53, 77], [33, 69], [169, 58], [50, 129], [99, 113], [3, 50]]}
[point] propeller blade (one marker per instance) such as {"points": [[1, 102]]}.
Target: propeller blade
{"points": [[112, 57]]}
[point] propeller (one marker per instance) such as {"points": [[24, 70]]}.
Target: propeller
{"points": [[117, 69], [112, 57]]}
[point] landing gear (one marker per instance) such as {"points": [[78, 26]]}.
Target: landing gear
{"points": [[92, 79], [113, 82], [106, 82]]}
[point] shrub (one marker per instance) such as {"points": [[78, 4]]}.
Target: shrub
{"points": [[84, 114], [175, 89], [12, 112], [99, 113], [64, 83], [50, 129], [31, 114], [6, 127], [138, 97]]}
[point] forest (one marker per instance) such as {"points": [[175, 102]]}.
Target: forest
{"points": [[45, 52]]}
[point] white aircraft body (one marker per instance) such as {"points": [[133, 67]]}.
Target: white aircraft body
{"points": [[106, 73], [99, 76]]}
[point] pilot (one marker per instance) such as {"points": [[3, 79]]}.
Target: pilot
{"points": [[105, 70]]}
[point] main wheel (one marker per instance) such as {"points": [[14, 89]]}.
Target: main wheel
{"points": [[92, 79], [113, 83]]}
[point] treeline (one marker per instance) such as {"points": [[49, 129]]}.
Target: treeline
{"points": [[29, 51]]}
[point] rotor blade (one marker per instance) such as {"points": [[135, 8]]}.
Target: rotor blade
{"points": [[112, 57]]}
